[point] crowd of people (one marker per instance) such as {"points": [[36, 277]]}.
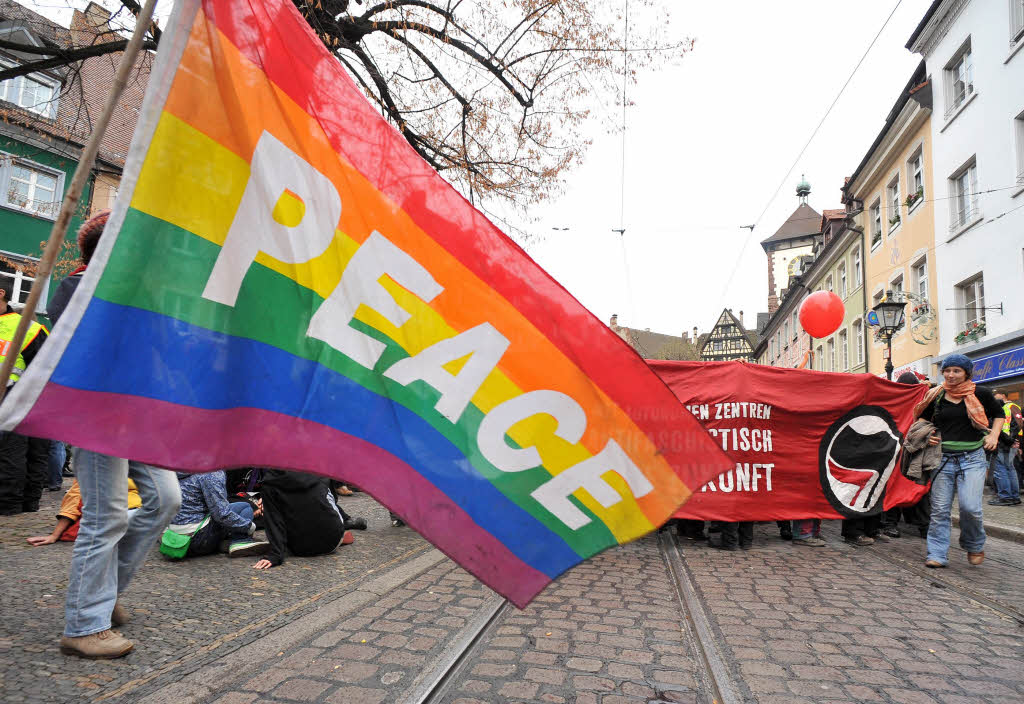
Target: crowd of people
{"points": [[117, 510]]}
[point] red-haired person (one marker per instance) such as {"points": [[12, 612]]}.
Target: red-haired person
{"points": [[110, 547]]}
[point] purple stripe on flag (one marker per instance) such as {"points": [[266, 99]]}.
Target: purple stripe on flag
{"points": [[165, 434]]}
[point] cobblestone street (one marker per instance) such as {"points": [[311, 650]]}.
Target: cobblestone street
{"points": [[383, 619]]}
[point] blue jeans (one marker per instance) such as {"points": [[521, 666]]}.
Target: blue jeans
{"points": [[963, 472], [1005, 476], [806, 528], [207, 541], [58, 453], [110, 547]]}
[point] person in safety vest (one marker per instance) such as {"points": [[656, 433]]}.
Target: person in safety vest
{"points": [[1004, 474], [23, 460]]}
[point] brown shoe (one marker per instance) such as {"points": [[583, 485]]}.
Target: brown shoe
{"points": [[119, 616], [103, 645], [934, 564], [976, 558]]}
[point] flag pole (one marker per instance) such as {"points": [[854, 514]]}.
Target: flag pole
{"points": [[74, 193]]}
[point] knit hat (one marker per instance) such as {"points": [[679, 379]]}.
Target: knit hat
{"points": [[89, 234], [907, 378], [958, 360]]}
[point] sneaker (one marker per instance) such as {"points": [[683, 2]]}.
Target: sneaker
{"points": [[119, 616], [97, 646], [355, 524], [976, 558], [1003, 502], [860, 541], [746, 546], [881, 537], [934, 564], [892, 532], [809, 542], [248, 547], [397, 522]]}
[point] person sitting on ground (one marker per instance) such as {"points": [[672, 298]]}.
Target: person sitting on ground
{"points": [[301, 516], [230, 526], [968, 421], [71, 512]]}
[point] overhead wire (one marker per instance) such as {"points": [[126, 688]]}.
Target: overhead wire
{"points": [[622, 165], [782, 182]]}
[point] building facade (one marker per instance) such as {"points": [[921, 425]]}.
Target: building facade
{"points": [[45, 120], [974, 53], [656, 345], [790, 248], [728, 340], [893, 192]]}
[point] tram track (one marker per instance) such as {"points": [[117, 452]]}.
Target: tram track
{"points": [[715, 676], [435, 683], [934, 576]]}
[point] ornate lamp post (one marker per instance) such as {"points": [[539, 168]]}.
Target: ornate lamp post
{"points": [[890, 319]]}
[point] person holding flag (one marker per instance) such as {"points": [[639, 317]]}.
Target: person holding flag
{"points": [[968, 420]]}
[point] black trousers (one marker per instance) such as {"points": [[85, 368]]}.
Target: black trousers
{"points": [[742, 533], [694, 530], [24, 463], [856, 527], [920, 514]]}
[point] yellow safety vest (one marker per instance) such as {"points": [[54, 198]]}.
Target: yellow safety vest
{"points": [[8, 325], [1007, 409]]}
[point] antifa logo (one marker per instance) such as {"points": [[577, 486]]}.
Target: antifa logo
{"points": [[856, 458]]}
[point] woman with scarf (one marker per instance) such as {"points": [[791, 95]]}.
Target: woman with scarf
{"points": [[968, 420]]}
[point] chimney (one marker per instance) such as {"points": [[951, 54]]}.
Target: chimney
{"points": [[97, 15], [741, 319], [615, 320]]}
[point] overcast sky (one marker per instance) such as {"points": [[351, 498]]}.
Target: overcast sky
{"points": [[707, 143]]}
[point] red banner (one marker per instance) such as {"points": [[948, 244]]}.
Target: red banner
{"points": [[806, 444]]}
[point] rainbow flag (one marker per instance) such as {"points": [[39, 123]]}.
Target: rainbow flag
{"points": [[284, 282]]}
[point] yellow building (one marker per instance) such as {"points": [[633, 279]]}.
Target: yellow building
{"points": [[894, 189]]}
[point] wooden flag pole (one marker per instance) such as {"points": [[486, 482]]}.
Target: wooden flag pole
{"points": [[74, 194]]}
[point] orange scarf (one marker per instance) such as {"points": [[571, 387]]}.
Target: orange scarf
{"points": [[964, 390]]}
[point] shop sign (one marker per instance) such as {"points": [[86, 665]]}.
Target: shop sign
{"points": [[999, 366]]}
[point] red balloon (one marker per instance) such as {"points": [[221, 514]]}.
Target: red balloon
{"points": [[822, 313]]}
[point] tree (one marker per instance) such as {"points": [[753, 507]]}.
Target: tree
{"points": [[492, 95]]}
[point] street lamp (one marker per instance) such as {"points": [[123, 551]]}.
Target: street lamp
{"points": [[890, 319]]}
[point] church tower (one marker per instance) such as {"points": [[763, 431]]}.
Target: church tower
{"points": [[789, 249]]}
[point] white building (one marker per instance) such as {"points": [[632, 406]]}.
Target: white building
{"points": [[974, 54]]}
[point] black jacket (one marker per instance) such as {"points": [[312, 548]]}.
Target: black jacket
{"points": [[63, 295], [299, 515]]}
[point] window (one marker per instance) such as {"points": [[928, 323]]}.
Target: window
{"points": [[896, 288], [844, 351], [33, 92], [820, 366], [876, 223], [959, 78], [841, 275], [919, 271], [828, 282], [831, 345], [892, 199], [858, 341], [796, 327], [785, 331], [1016, 21], [778, 341], [27, 186], [17, 280], [964, 191], [970, 297], [858, 274], [1018, 128], [915, 179]]}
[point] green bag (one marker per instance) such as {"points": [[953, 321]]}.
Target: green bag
{"points": [[175, 545]]}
